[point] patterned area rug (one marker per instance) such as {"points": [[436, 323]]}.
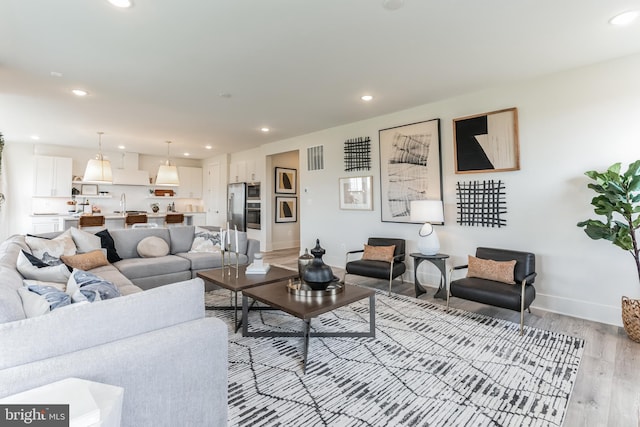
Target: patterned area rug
{"points": [[426, 367]]}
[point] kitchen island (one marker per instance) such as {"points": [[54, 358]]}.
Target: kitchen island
{"points": [[60, 222]]}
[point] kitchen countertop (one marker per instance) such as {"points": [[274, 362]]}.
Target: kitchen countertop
{"points": [[107, 215]]}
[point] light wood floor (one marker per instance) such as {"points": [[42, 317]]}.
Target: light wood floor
{"points": [[607, 389]]}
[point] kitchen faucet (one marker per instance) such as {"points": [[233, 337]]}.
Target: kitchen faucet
{"points": [[123, 204]]}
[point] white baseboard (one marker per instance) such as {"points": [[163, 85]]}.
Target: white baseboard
{"points": [[284, 245], [611, 315]]}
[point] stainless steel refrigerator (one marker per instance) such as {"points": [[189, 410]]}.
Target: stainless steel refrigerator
{"points": [[237, 205]]}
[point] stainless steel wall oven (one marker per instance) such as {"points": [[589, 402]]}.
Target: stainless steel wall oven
{"points": [[253, 214]]}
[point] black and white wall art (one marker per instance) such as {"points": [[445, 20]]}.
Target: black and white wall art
{"points": [[487, 142], [410, 168]]}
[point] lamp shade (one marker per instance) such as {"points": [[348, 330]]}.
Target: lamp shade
{"points": [[427, 211], [98, 171], [168, 175]]}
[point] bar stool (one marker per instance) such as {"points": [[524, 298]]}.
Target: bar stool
{"points": [[131, 219], [173, 219], [85, 221]]}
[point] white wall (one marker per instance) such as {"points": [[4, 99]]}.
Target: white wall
{"points": [[569, 122]]}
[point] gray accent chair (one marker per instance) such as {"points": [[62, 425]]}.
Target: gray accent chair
{"points": [[378, 269], [516, 297]]}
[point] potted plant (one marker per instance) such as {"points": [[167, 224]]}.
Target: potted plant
{"points": [[618, 200]]}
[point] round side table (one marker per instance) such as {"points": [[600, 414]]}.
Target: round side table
{"points": [[439, 261]]}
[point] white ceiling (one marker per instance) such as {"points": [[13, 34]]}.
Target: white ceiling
{"points": [[155, 72]]}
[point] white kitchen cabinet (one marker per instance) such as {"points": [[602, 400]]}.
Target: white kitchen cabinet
{"points": [[45, 224], [52, 176], [190, 182], [243, 171]]}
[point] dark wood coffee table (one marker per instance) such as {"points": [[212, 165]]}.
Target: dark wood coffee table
{"points": [[276, 295], [226, 278]]}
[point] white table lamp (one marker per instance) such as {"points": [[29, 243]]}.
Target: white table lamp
{"points": [[427, 211]]}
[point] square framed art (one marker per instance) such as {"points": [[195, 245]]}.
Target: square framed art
{"points": [[410, 168], [286, 180], [355, 193], [286, 209], [487, 142]]}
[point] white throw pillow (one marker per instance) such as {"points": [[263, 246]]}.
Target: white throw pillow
{"points": [[205, 241], [85, 242], [152, 246], [57, 273], [32, 303]]}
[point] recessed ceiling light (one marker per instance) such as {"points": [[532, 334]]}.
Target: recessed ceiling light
{"points": [[121, 147], [35, 137], [366, 97], [392, 4], [208, 147], [80, 92], [121, 3], [187, 154], [265, 129], [624, 18]]}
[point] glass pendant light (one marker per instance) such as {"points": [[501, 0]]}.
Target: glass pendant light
{"points": [[98, 170], [167, 174]]}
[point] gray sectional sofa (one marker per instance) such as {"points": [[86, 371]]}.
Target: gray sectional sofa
{"points": [[157, 344]]}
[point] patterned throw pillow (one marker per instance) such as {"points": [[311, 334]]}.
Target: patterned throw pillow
{"points": [[205, 241], [499, 271], [57, 273], [54, 296], [93, 288], [50, 250], [379, 253]]}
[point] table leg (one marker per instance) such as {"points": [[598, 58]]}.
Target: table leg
{"points": [[442, 288], [307, 330], [245, 315], [235, 312], [416, 283]]}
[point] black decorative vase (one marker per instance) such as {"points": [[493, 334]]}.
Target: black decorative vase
{"points": [[317, 274]]}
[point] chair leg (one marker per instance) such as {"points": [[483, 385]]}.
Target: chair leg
{"points": [[522, 308]]}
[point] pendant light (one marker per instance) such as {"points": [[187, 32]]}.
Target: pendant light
{"points": [[167, 174], [98, 170]]}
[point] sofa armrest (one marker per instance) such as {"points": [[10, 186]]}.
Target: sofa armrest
{"points": [[81, 326]]}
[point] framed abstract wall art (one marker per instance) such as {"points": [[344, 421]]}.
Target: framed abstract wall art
{"points": [[286, 180], [487, 142], [286, 209], [410, 168]]}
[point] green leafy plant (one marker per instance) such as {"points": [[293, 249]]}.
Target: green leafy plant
{"points": [[618, 200]]}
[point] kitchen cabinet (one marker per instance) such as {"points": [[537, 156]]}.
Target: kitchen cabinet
{"points": [[243, 171], [190, 182], [52, 176], [45, 224]]}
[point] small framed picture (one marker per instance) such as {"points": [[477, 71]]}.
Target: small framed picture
{"points": [[89, 190], [286, 180], [355, 193], [286, 209]]}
